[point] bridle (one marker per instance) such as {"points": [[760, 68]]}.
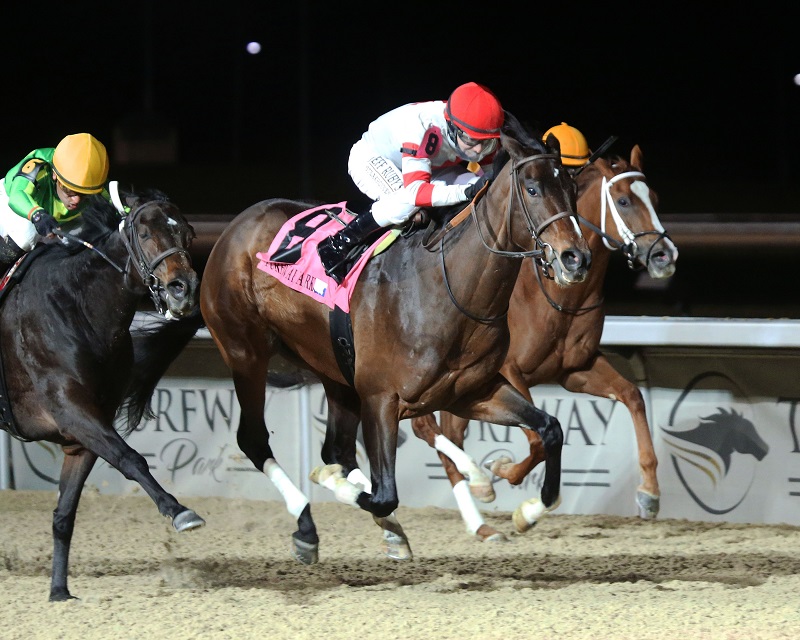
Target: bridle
{"points": [[627, 245], [144, 266], [136, 256], [543, 253]]}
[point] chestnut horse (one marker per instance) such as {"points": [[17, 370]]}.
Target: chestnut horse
{"points": [[70, 361], [555, 332], [429, 328]]}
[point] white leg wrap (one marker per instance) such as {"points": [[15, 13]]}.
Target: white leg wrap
{"points": [[466, 505], [357, 477], [465, 465], [343, 490], [292, 496]]}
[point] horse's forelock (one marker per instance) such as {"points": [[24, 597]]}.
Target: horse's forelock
{"points": [[522, 135]]}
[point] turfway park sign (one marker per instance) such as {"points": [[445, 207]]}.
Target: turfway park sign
{"points": [[725, 421]]}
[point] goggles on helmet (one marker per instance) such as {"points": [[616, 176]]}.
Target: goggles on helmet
{"points": [[488, 145]]}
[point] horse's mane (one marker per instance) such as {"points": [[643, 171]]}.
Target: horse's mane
{"points": [[523, 134], [100, 218]]}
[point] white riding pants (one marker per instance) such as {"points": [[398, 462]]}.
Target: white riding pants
{"points": [[19, 229], [382, 181]]}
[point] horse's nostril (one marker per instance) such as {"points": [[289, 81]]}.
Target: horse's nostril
{"points": [[177, 289], [572, 260]]}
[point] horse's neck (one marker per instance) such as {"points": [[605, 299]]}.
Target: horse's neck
{"points": [[112, 300], [482, 281]]}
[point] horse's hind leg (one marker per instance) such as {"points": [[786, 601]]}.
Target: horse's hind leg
{"points": [[448, 440], [603, 381], [106, 443], [515, 472], [504, 405], [78, 463], [249, 371]]}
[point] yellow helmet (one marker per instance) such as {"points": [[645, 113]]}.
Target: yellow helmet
{"points": [[574, 149], [81, 163]]}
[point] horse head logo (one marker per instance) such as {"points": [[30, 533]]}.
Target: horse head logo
{"points": [[723, 433], [703, 453]]}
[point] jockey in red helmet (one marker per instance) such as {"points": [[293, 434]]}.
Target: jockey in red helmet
{"points": [[423, 154]]}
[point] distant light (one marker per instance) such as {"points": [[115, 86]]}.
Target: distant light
{"points": [[797, 79], [253, 47]]}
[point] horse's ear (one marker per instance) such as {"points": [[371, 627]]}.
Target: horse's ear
{"points": [[512, 146], [637, 157], [553, 144]]}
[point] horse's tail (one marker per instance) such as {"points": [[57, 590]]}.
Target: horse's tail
{"points": [[154, 349]]}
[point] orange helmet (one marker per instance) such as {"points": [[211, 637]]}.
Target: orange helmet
{"points": [[475, 110], [81, 163], [574, 149]]}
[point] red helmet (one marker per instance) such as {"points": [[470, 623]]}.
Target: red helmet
{"points": [[475, 110]]}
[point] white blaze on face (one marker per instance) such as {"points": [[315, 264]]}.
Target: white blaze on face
{"points": [[643, 192]]}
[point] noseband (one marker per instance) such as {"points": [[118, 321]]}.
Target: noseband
{"points": [[543, 249], [628, 244], [146, 267]]}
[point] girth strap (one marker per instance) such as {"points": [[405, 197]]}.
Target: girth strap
{"points": [[342, 341]]}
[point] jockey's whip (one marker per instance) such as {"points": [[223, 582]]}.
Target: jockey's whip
{"points": [[600, 151]]}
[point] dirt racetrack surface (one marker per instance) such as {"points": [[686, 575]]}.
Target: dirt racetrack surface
{"points": [[571, 577]]}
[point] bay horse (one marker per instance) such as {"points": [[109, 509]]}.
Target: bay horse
{"points": [[429, 328], [69, 357], [555, 333]]}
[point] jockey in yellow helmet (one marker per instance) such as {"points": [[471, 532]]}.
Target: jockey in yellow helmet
{"points": [[46, 188], [574, 149]]}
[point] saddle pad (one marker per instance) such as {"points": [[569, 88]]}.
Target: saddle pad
{"points": [[306, 274]]}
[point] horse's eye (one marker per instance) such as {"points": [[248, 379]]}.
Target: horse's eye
{"points": [[623, 201], [531, 190]]}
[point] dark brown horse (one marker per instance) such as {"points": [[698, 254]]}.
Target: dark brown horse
{"points": [[555, 332], [69, 357], [429, 327]]}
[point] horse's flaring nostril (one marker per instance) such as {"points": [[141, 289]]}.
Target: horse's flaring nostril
{"points": [[572, 260], [177, 289]]}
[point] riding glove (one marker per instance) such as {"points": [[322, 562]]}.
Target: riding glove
{"points": [[474, 187], [44, 222]]}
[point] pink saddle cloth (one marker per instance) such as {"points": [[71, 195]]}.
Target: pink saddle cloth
{"points": [[306, 274]]}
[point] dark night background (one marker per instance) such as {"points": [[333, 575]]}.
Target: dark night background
{"points": [[706, 91]]}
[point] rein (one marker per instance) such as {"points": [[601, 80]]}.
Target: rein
{"points": [[540, 254], [136, 256]]}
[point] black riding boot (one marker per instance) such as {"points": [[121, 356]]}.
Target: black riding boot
{"points": [[333, 251], [9, 254]]}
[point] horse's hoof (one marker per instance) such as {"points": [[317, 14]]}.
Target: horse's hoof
{"points": [[320, 474], [314, 475], [396, 548], [485, 533], [498, 467], [483, 491], [305, 552], [528, 513], [61, 595], [521, 524], [187, 520], [648, 504]]}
